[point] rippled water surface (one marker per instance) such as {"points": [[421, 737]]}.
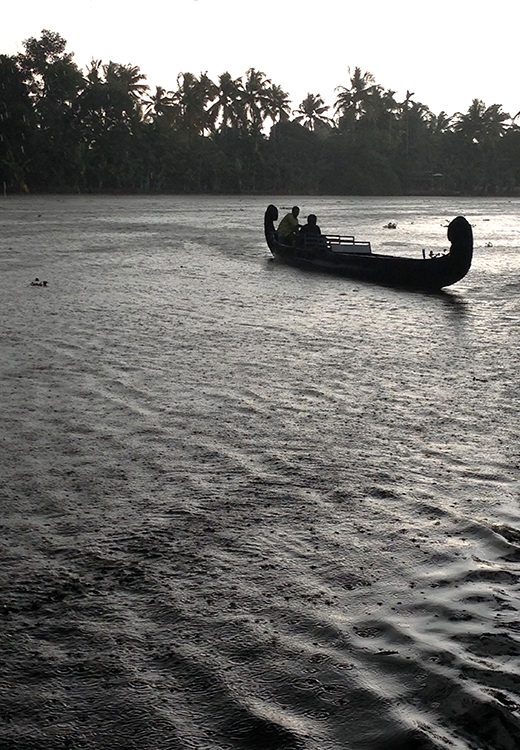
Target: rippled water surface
{"points": [[245, 507]]}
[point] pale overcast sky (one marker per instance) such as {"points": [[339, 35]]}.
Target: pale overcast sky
{"points": [[447, 52]]}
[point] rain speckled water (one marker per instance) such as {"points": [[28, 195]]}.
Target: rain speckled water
{"points": [[249, 507]]}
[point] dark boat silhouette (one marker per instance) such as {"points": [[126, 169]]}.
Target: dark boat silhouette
{"points": [[344, 255]]}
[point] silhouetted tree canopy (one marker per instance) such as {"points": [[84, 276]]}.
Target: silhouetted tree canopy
{"points": [[102, 129]]}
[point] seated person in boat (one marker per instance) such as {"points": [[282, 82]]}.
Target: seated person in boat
{"points": [[310, 237], [288, 227]]}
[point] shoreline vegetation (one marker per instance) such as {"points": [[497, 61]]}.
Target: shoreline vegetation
{"points": [[103, 130]]}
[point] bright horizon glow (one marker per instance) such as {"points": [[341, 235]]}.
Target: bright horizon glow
{"points": [[447, 54]]}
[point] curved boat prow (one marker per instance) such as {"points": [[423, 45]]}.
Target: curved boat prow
{"points": [[460, 234], [270, 216]]}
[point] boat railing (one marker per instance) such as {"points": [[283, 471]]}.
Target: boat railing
{"points": [[328, 243], [338, 243]]}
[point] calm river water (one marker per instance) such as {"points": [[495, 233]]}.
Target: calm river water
{"points": [[248, 508]]}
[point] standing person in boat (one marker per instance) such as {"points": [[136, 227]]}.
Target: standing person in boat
{"points": [[288, 227]]}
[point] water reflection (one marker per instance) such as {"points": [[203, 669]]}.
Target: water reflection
{"points": [[454, 302]]}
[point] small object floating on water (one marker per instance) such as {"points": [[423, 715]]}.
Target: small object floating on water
{"points": [[37, 282], [390, 225], [489, 244]]}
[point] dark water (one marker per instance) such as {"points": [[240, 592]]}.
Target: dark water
{"points": [[247, 507]]}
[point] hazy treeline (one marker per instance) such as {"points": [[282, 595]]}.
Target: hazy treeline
{"points": [[103, 129]]}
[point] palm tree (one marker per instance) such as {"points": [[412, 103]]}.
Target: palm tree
{"points": [[404, 109], [513, 125], [414, 118], [311, 112], [277, 104], [256, 98], [193, 97], [470, 125], [228, 109], [126, 82], [94, 72], [380, 108], [160, 104], [351, 103], [440, 123], [495, 119], [480, 131], [93, 101], [482, 124], [112, 98]]}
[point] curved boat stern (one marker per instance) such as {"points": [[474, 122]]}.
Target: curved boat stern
{"points": [[270, 216]]}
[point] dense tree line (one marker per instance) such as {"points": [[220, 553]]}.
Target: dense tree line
{"points": [[62, 129]]}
